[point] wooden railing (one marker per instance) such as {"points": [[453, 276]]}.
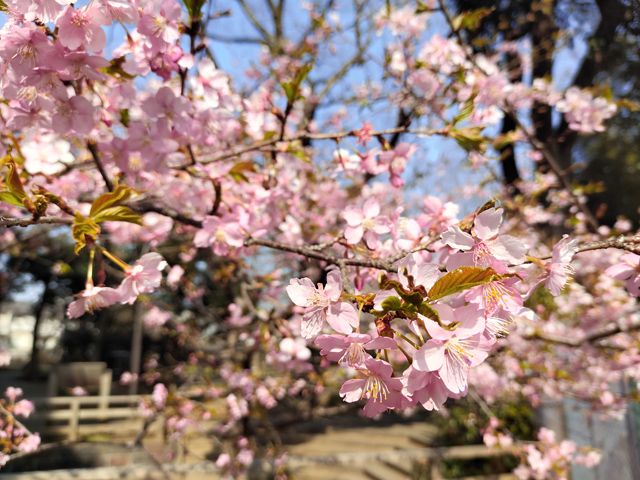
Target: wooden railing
{"points": [[65, 415]]}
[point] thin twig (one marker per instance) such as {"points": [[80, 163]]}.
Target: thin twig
{"points": [[93, 148], [27, 222]]}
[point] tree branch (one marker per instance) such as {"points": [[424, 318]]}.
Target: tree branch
{"points": [[93, 148], [27, 222], [600, 334]]}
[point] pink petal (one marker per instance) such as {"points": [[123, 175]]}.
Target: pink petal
{"points": [[371, 208], [456, 238], [508, 249], [620, 271], [76, 308], [381, 343], [333, 289], [487, 224], [301, 291], [454, 375], [312, 323], [353, 234], [351, 390], [343, 317], [353, 216], [430, 357]]}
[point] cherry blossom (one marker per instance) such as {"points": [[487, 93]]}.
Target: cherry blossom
{"points": [[82, 27], [366, 223], [92, 299], [380, 390], [628, 270], [484, 247], [143, 277], [560, 269], [322, 304], [452, 352]]}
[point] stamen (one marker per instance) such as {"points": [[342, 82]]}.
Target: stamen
{"points": [[481, 255], [375, 389], [354, 356]]}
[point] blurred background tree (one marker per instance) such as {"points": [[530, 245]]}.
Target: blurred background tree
{"points": [[589, 44]]}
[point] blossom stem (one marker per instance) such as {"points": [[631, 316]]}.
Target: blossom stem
{"points": [[406, 355], [406, 339], [92, 256], [121, 263]]}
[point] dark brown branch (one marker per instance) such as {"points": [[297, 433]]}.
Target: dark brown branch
{"points": [[93, 148], [317, 136], [27, 222], [310, 253]]}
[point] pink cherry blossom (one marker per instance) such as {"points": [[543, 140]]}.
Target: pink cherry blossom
{"points": [[350, 350], [321, 304], [92, 299], [30, 443], [377, 387], [159, 395], [452, 352], [366, 222], [23, 408], [495, 295], [560, 269], [396, 160], [425, 388], [75, 115], [295, 348], [421, 272], [13, 393], [628, 270], [585, 113], [143, 277], [222, 233], [485, 246], [81, 27]]}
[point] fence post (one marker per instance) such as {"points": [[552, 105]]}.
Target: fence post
{"points": [[104, 392], [74, 419]]}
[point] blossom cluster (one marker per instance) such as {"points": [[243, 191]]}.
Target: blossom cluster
{"points": [[150, 144], [552, 459], [14, 437], [441, 316], [144, 276]]}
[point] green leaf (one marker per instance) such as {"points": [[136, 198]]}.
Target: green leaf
{"points": [[428, 311], [292, 88], [82, 228], [115, 69], [461, 279], [119, 213], [124, 117], [10, 198], [391, 304], [194, 7], [13, 181], [469, 138], [414, 296], [422, 7], [472, 19], [505, 139], [465, 111], [110, 199], [238, 171]]}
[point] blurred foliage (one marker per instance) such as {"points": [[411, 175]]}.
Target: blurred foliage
{"points": [[464, 421]]}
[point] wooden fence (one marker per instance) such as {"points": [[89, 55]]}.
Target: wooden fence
{"points": [[73, 416]]}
